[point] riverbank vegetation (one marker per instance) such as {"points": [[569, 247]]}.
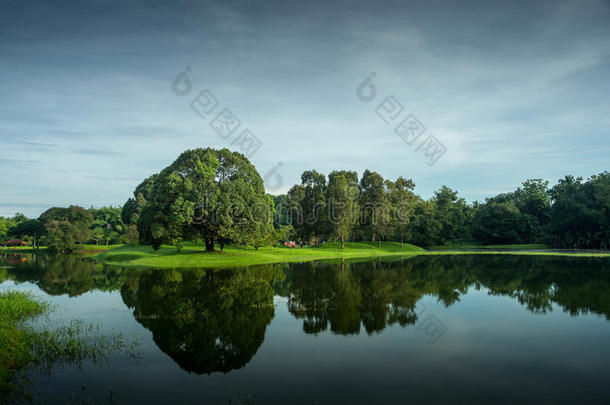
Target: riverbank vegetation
{"points": [[24, 346], [217, 197]]}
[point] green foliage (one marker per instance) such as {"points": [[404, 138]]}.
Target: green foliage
{"points": [[107, 224], [312, 203], [281, 215], [372, 209], [342, 204], [23, 346], [66, 228], [3, 228], [375, 206], [132, 209], [31, 228], [580, 213], [499, 223], [285, 233], [453, 214], [207, 194], [74, 214], [132, 235], [63, 236], [6, 224], [402, 204], [426, 228], [206, 321]]}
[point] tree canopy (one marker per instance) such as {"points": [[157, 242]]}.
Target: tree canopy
{"points": [[212, 195]]}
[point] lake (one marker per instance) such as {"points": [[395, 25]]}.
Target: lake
{"points": [[432, 329]]}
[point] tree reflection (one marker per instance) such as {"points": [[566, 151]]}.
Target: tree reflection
{"points": [[377, 294], [62, 274], [207, 321], [215, 321]]}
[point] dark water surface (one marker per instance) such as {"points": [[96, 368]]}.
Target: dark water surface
{"points": [[431, 329]]}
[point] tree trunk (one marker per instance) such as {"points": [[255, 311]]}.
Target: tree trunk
{"points": [[379, 243], [342, 242], [209, 245], [222, 246], [402, 245]]}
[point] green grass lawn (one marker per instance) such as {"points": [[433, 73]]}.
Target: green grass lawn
{"points": [[195, 256], [15, 337]]}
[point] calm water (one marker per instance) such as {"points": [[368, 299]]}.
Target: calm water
{"points": [[424, 329]]}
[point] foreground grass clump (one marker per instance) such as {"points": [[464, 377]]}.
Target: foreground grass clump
{"points": [[23, 346], [15, 337], [194, 255]]}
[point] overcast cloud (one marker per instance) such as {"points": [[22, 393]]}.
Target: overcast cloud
{"points": [[514, 90]]}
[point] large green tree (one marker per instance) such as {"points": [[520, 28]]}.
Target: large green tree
{"points": [[402, 202], [65, 228], [107, 223], [580, 213], [207, 194], [342, 203], [132, 209], [313, 204], [64, 236], [32, 228], [453, 214], [499, 222], [6, 223], [74, 214], [374, 206]]}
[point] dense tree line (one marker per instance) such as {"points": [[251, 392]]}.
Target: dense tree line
{"points": [[372, 208], [64, 229], [217, 197], [572, 214]]}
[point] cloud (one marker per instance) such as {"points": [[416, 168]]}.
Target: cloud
{"points": [[513, 90]]}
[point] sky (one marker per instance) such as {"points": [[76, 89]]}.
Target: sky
{"points": [[89, 107]]}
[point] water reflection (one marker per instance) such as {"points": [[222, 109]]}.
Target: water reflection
{"points": [[206, 321], [215, 321]]}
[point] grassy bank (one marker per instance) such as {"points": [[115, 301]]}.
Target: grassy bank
{"points": [[16, 337], [23, 346], [195, 256]]}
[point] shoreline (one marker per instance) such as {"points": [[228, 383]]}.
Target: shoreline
{"points": [[195, 256]]}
